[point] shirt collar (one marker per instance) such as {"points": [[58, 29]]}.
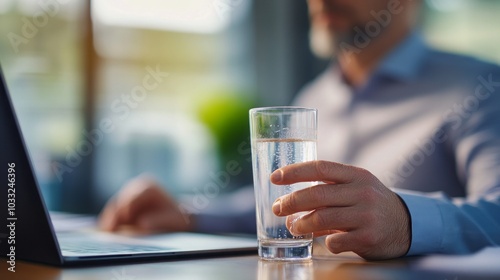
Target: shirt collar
{"points": [[404, 61]]}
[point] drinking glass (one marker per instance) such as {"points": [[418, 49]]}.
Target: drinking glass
{"points": [[280, 136]]}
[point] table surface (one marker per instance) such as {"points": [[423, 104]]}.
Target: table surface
{"points": [[323, 266]]}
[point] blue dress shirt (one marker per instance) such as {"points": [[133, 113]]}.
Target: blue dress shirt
{"points": [[427, 124]]}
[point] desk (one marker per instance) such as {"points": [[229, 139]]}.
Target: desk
{"points": [[323, 266]]}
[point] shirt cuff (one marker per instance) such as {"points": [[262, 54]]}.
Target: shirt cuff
{"points": [[426, 223]]}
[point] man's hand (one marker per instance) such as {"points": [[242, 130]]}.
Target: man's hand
{"points": [[351, 206], [143, 207]]}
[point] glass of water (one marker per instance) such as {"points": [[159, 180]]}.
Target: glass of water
{"points": [[280, 136]]}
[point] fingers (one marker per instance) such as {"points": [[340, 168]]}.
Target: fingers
{"points": [[317, 171], [167, 221], [137, 201], [315, 197], [349, 241], [137, 198], [154, 221], [323, 221], [340, 242], [325, 232], [143, 207], [355, 210], [107, 218], [362, 242]]}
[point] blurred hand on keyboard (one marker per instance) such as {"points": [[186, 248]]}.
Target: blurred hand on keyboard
{"points": [[142, 206]]}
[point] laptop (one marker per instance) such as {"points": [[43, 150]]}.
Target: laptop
{"points": [[30, 233]]}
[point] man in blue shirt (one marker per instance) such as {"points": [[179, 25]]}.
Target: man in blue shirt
{"points": [[402, 129]]}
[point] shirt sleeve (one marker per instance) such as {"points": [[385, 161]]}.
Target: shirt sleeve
{"points": [[442, 225], [462, 225]]}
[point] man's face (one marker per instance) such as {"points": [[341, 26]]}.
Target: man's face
{"points": [[334, 20]]}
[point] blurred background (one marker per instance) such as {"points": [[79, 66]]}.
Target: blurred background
{"points": [[109, 89]]}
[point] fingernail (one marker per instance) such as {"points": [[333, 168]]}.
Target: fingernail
{"points": [[277, 176], [277, 206]]}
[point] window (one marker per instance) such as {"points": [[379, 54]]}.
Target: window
{"points": [[195, 57], [464, 26], [41, 55]]}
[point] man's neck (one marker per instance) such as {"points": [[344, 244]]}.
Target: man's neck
{"points": [[357, 67]]}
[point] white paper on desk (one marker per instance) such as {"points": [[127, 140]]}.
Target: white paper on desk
{"points": [[484, 262]]}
